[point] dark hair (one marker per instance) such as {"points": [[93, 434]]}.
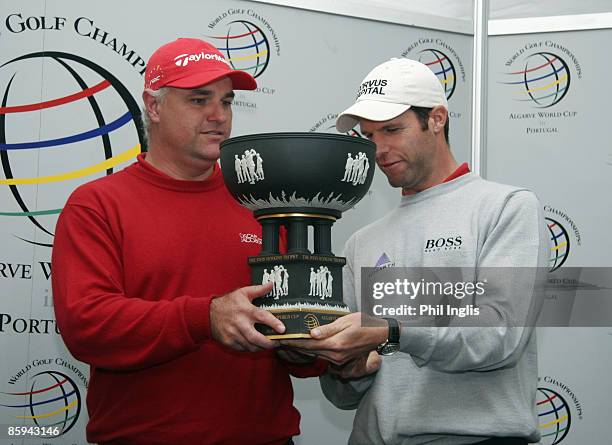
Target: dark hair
{"points": [[422, 114]]}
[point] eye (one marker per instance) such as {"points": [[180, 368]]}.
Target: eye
{"points": [[227, 102], [367, 135], [391, 130], [198, 100]]}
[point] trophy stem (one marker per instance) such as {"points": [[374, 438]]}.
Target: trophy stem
{"points": [[322, 236], [270, 237], [297, 238], [307, 287]]}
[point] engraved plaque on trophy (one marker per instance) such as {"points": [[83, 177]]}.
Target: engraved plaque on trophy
{"points": [[297, 180]]}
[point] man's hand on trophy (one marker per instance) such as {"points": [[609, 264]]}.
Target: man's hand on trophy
{"points": [[233, 316], [359, 367], [344, 339]]}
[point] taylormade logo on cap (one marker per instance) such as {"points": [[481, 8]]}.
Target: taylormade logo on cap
{"points": [[373, 86], [183, 59]]}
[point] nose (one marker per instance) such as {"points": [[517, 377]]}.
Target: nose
{"points": [[219, 113], [381, 148]]}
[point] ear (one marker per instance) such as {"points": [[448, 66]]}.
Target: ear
{"points": [[437, 118], [151, 105]]}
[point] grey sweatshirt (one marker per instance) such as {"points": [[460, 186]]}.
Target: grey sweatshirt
{"points": [[451, 385]]}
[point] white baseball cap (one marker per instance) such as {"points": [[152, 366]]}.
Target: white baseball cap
{"points": [[390, 89]]}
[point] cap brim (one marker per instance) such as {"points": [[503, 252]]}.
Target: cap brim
{"points": [[241, 80], [372, 110]]}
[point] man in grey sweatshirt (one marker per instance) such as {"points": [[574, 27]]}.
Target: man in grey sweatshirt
{"points": [[435, 384]]}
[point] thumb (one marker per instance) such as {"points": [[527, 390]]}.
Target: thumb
{"points": [[373, 362], [269, 319], [327, 330], [259, 290]]}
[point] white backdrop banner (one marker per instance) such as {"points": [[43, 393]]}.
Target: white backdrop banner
{"points": [[548, 130]]}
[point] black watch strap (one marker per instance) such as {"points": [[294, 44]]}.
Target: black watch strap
{"points": [[394, 330]]}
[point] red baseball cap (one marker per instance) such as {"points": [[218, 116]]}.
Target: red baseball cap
{"points": [[190, 63]]}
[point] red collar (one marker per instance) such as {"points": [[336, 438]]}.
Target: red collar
{"points": [[461, 170]]}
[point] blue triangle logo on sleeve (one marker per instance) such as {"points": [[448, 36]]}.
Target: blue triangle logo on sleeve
{"points": [[383, 261]]}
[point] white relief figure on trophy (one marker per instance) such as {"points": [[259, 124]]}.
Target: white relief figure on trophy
{"points": [[359, 169], [321, 283], [251, 167], [285, 286], [322, 280], [325, 280], [260, 172], [279, 277], [238, 167], [313, 280], [348, 167], [267, 277], [364, 174], [276, 290], [244, 168], [356, 169], [328, 290]]}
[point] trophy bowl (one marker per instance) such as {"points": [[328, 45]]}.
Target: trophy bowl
{"points": [[297, 180], [298, 172]]}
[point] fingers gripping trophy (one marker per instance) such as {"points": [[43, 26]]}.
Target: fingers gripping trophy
{"points": [[298, 180]]}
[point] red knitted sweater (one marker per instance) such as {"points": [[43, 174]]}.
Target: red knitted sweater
{"points": [[137, 258]]}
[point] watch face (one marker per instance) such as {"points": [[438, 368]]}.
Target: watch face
{"points": [[390, 349]]}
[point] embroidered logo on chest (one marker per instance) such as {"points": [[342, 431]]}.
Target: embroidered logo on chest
{"points": [[249, 238], [384, 261]]}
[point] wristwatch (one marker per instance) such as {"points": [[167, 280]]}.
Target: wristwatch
{"points": [[391, 345]]}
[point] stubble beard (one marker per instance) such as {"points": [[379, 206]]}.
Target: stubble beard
{"points": [[416, 173]]}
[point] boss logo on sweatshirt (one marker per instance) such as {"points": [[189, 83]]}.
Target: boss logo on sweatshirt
{"points": [[249, 238], [444, 243]]}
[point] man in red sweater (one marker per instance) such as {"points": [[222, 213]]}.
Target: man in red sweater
{"points": [[150, 279]]}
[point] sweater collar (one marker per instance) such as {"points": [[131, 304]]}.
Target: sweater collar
{"points": [[439, 189], [143, 170], [460, 171]]}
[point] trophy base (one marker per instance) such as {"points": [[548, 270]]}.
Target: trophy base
{"points": [[307, 291], [300, 321]]}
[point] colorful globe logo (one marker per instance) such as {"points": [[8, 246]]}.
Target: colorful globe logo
{"points": [[53, 402], [442, 67], [83, 124], [560, 244], [245, 47], [544, 81], [554, 416]]}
